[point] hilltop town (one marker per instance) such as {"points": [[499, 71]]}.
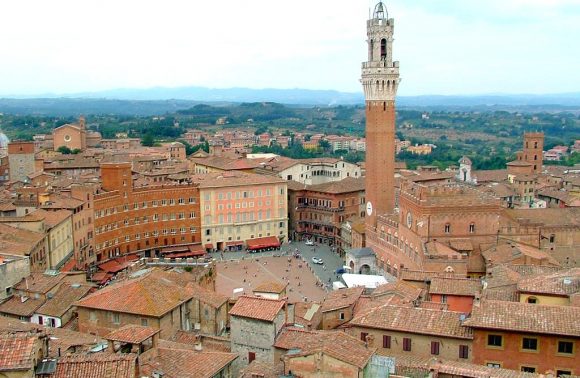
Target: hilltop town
{"points": [[216, 252]]}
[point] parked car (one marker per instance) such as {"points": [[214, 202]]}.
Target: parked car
{"points": [[309, 242], [318, 261]]}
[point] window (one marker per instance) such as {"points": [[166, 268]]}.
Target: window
{"points": [[92, 315], [435, 348], [532, 300], [406, 344], [560, 373], [495, 341], [528, 369], [144, 322], [463, 351], [251, 356], [552, 238], [447, 228], [529, 343], [386, 341], [565, 347], [472, 228], [116, 319], [363, 336], [493, 364], [443, 298], [341, 316]]}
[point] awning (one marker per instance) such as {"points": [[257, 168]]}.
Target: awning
{"points": [[69, 266], [189, 251], [101, 277], [179, 248], [237, 242], [267, 242]]}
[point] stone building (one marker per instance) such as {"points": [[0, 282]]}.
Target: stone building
{"points": [[13, 268], [25, 243], [317, 212], [338, 307], [21, 160], [148, 219], [255, 323], [150, 300]]}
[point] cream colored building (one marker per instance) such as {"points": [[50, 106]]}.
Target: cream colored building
{"points": [[237, 207], [59, 236]]}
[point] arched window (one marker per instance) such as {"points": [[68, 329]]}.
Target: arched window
{"points": [[383, 49]]}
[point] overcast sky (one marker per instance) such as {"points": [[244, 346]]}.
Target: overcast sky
{"points": [[444, 46]]}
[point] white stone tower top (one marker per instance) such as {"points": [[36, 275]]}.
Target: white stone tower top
{"points": [[380, 75]]}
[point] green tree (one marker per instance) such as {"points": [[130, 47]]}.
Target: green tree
{"points": [[148, 140], [76, 151], [64, 150], [324, 144]]}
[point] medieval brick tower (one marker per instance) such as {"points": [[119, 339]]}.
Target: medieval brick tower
{"points": [[380, 80]]}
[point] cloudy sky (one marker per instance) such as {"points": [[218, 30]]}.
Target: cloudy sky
{"points": [[444, 46]]}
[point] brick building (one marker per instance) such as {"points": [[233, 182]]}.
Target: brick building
{"points": [[73, 136], [533, 150], [416, 331], [438, 228], [150, 219], [318, 211]]}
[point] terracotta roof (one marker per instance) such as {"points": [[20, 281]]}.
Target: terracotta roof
{"points": [[17, 352], [210, 297], [95, 365], [257, 369], [415, 320], [455, 286], [225, 179], [339, 345], [63, 299], [61, 202], [341, 298], [550, 217], [257, 308], [461, 244], [16, 306], [53, 218], [147, 295], [496, 175], [506, 253], [347, 185], [297, 338], [40, 282], [565, 283], [401, 288], [270, 287], [422, 276], [18, 241], [436, 248], [181, 363], [525, 317], [131, 333]]}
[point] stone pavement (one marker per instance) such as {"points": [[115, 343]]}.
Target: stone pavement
{"points": [[244, 270]]}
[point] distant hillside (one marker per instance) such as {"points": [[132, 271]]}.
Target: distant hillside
{"points": [[145, 102]]}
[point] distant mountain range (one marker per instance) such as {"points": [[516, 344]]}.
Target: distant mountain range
{"points": [[160, 100]]}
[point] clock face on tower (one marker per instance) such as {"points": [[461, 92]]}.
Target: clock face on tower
{"points": [[369, 208], [409, 220]]}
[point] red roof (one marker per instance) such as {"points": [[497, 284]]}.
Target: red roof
{"points": [[101, 277], [266, 242], [257, 308], [132, 333], [70, 265], [17, 352]]}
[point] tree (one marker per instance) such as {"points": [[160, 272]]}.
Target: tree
{"points": [[76, 151], [324, 144], [148, 140], [64, 150]]}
